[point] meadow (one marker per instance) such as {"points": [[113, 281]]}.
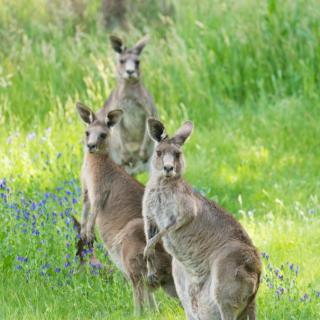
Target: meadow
{"points": [[247, 73]]}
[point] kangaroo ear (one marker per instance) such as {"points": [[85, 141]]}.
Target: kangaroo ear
{"points": [[86, 114], [113, 117], [183, 133], [140, 44], [117, 44], [156, 130]]}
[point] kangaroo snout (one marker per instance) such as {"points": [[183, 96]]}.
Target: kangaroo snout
{"points": [[91, 147], [130, 72], [168, 168]]}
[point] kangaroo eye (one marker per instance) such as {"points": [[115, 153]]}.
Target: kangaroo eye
{"points": [[103, 135], [158, 153], [87, 133], [177, 155], [122, 61], [137, 62]]}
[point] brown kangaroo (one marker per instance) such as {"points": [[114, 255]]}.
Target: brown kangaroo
{"points": [[114, 199], [130, 144], [215, 266]]}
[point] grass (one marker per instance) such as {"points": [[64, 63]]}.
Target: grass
{"points": [[247, 74]]}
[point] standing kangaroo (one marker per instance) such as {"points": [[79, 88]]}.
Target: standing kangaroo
{"points": [[130, 144], [215, 266], [114, 199]]}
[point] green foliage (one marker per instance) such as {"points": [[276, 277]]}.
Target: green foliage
{"points": [[247, 74]]}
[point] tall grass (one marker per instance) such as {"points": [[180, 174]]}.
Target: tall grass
{"points": [[246, 72]]}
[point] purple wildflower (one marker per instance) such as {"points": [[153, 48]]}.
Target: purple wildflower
{"points": [[26, 215], [305, 297], [3, 183], [35, 232], [42, 203], [96, 265], [3, 196], [280, 291], [57, 270], [22, 259]]}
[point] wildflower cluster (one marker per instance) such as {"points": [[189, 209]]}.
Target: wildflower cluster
{"points": [[39, 233], [283, 281]]}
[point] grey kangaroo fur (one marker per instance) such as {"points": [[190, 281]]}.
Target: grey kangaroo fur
{"points": [[130, 144], [113, 200], [215, 266]]}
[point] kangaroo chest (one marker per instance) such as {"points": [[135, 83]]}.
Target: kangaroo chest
{"points": [[185, 244], [162, 207], [133, 122]]}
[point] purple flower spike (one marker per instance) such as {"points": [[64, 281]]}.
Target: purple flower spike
{"points": [[94, 272], [35, 232], [304, 298], [57, 270], [97, 265], [3, 183], [33, 206], [22, 259], [280, 291]]}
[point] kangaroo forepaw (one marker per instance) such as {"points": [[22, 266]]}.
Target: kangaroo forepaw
{"points": [[153, 280]]}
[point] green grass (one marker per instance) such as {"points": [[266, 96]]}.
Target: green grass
{"points": [[246, 72]]}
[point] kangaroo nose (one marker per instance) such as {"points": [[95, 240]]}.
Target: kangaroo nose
{"points": [[130, 72], [91, 146], [168, 168]]}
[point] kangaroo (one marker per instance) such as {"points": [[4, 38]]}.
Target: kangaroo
{"points": [[130, 144], [113, 199], [215, 266]]}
